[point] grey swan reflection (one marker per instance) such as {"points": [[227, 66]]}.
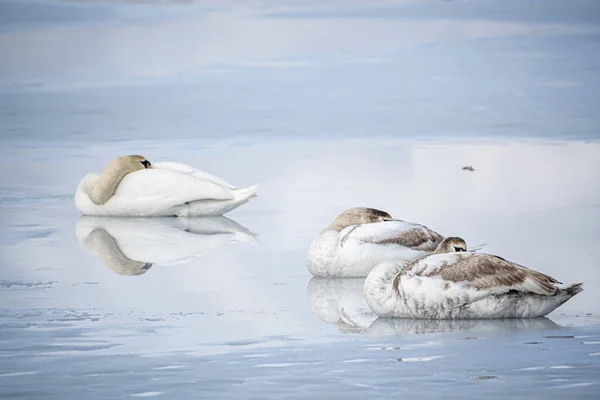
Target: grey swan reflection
{"points": [[393, 326], [340, 301], [131, 246]]}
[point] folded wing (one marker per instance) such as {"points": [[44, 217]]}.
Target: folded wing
{"points": [[403, 233], [162, 187], [483, 272], [188, 169]]}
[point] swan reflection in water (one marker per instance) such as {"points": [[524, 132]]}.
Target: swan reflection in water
{"points": [[131, 246], [393, 326], [340, 301]]}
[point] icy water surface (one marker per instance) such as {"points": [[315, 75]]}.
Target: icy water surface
{"points": [[326, 107], [225, 307]]}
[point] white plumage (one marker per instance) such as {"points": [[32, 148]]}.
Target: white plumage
{"points": [[165, 189], [355, 250]]}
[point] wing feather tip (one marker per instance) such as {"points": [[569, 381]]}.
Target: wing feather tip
{"points": [[247, 193]]}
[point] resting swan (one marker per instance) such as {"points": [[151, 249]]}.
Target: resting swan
{"points": [[463, 285], [360, 238], [131, 186]]}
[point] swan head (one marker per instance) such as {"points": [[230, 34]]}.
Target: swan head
{"points": [[132, 162], [358, 216], [123, 165], [451, 244], [106, 185]]}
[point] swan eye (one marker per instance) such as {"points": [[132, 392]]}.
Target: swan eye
{"points": [[457, 249], [145, 163]]}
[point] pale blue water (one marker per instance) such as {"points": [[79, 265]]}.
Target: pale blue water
{"points": [[326, 107]]}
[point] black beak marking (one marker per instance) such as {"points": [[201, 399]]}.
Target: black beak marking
{"points": [[145, 163]]}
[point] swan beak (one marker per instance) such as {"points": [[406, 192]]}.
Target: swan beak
{"points": [[146, 266], [146, 163]]}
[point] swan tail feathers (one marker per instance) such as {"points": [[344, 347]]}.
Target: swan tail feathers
{"points": [[573, 289], [245, 194]]}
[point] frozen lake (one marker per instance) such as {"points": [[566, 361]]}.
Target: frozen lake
{"points": [[326, 107]]}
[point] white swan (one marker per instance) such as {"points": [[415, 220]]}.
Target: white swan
{"points": [[131, 246], [463, 285], [132, 187], [360, 238]]}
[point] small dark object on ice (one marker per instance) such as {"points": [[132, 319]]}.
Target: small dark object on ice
{"points": [[484, 377], [468, 168]]}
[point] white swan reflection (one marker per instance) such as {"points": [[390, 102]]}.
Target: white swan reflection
{"points": [[131, 246], [340, 301]]}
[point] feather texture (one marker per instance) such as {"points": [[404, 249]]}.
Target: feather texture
{"points": [[355, 250], [463, 285]]}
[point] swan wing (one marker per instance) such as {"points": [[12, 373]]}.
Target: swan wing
{"points": [[164, 188], [484, 274], [188, 169], [413, 236]]}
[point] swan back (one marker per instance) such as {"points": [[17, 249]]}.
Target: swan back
{"points": [[188, 169]]}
